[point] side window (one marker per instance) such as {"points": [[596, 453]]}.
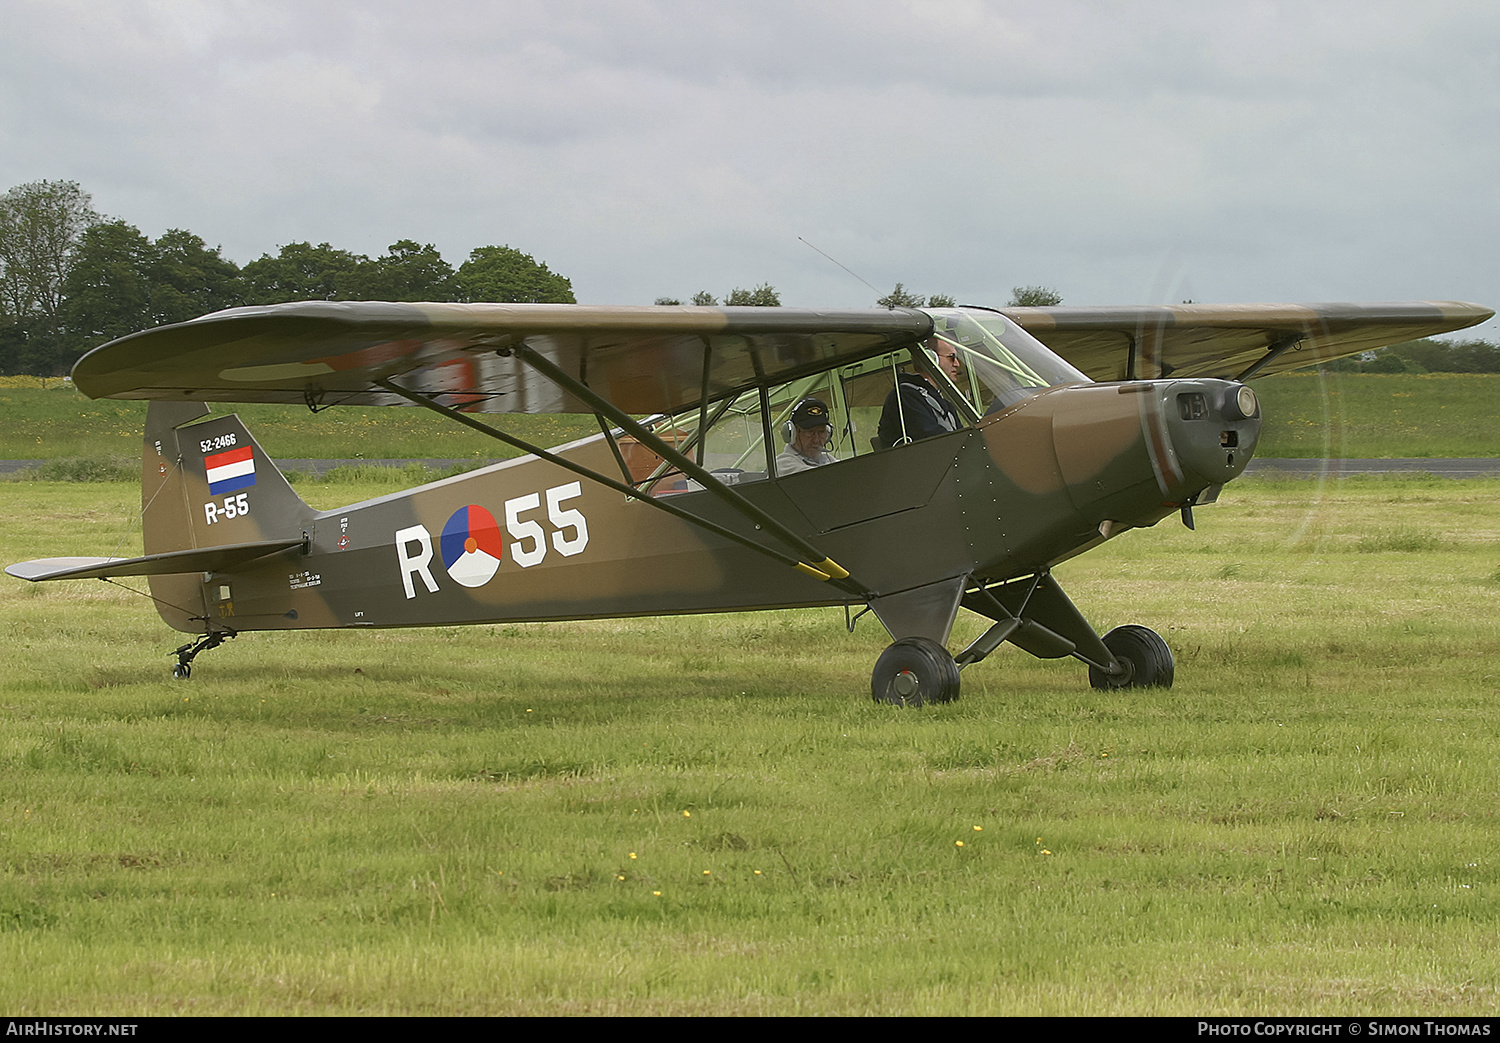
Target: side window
{"points": [[757, 434], [884, 419], [866, 389], [736, 446], [734, 449]]}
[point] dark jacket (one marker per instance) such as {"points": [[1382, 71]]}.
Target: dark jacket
{"points": [[925, 412]]}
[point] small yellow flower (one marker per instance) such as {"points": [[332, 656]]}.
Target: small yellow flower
{"points": [[757, 872], [687, 814], [656, 893], [632, 854], [1046, 852], [619, 876], [706, 872], [959, 843], [979, 829]]}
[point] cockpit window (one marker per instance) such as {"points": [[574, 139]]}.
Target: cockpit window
{"points": [[739, 438], [1003, 364]]}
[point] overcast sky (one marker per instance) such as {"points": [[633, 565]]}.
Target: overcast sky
{"points": [[1140, 152]]}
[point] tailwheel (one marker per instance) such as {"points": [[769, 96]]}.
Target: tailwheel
{"points": [[183, 669], [1145, 657], [913, 672]]}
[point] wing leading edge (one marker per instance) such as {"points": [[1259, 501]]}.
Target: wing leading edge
{"points": [[663, 359], [642, 359], [1232, 341]]}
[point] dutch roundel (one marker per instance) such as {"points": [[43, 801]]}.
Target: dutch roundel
{"points": [[471, 546]]}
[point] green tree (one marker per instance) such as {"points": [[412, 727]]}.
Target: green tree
{"points": [[40, 226], [1443, 356], [503, 275], [763, 296], [407, 271], [1389, 362], [119, 282], [901, 297], [187, 279], [302, 272], [108, 286], [1034, 297], [667, 302], [704, 299]]}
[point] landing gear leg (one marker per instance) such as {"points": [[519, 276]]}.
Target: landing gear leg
{"points": [[188, 652], [1035, 615]]}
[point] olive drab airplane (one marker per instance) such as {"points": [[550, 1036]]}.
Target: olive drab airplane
{"points": [[1065, 427]]}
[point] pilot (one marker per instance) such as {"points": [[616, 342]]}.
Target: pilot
{"points": [[915, 408], [807, 434]]}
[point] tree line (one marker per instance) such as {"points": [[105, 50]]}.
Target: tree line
{"points": [[1425, 356], [72, 279], [765, 296]]}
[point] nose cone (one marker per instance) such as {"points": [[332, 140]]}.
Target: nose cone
{"points": [[1213, 426]]}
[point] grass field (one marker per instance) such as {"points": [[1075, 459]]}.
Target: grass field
{"points": [[708, 816], [1371, 415], [57, 422], [1306, 415]]}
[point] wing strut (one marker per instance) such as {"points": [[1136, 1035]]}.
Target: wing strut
{"points": [[842, 582], [1277, 348], [822, 566]]}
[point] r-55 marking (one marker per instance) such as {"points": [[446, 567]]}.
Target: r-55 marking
{"points": [[230, 507]]}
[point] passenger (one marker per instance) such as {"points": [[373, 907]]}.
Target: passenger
{"points": [[915, 409], [807, 434]]}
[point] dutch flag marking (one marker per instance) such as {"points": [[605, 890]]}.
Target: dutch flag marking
{"points": [[228, 472]]}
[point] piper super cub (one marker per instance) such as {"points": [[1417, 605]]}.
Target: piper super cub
{"points": [[912, 461]]}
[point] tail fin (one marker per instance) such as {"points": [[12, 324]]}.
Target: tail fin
{"points": [[207, 484]]}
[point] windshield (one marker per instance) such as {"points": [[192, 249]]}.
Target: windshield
{"points": [[1002, 362]]}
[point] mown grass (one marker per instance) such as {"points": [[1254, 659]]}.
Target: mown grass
{"points": [[708, 816], [1306, 415], [1371, 415]]}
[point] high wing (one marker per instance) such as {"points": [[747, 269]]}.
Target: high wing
{"points": [[1232, 341], [641, 359]]}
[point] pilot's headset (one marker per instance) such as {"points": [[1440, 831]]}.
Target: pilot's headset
{"points": [[810, 412]]}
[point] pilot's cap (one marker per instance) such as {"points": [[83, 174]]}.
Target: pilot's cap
{"points": [[810, 412]]}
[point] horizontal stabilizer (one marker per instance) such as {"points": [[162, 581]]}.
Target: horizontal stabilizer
{"points": [[205, 559]]}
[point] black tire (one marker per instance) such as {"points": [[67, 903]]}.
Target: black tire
{"points": [[182, 671], [914, 671], [1141, 649]]}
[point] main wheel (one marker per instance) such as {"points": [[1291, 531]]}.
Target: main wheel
{"points": [[914, 671], [1147, 659], [182, 671]]}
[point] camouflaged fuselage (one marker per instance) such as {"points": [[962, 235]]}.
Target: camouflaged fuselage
{"points": [[1031, 485]]}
